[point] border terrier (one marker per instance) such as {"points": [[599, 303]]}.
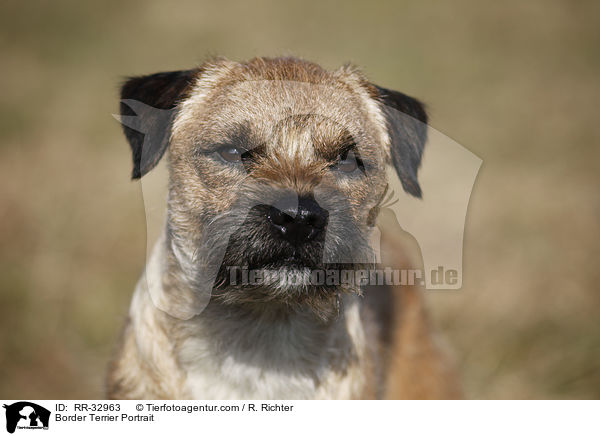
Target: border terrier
{"points": [[276, 167]]}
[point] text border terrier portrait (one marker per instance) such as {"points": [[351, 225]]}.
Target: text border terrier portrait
{"points": [[275, 165]]}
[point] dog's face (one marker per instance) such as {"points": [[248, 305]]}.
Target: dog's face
{"points": [[276, 167]]}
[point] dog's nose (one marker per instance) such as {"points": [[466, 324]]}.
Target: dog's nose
{"points": [[298, 225]]}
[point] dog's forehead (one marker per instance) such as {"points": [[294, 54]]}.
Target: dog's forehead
{"points": [[273, 100], [300, 113]]}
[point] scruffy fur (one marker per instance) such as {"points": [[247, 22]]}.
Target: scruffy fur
{"points": [[273, 342]]}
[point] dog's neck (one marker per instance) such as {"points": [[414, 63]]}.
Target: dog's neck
{"points": [[274, 334]]}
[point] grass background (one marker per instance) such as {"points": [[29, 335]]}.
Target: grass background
{"points": [[514, 82]]}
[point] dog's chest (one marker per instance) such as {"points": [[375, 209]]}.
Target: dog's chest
{"points": [[235, 380], [279, 364]]}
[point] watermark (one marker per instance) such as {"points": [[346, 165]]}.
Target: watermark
{"points": [[379, 276]]}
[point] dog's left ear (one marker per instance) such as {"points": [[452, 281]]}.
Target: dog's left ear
{"points": [[148, 108], [407, 127]]}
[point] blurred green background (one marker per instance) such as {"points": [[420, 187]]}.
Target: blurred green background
{"points": [[515, 82]]}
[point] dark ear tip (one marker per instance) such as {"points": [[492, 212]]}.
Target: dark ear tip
{"points": [[413, 189], [136, 172], [417, 193]]}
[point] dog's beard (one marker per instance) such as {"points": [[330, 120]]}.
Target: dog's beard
{"points": [[240, 242]]}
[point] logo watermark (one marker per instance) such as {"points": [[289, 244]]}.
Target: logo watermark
{"points": [[25, 415]]}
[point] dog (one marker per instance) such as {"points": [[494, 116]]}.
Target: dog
{"points": [[276, 169]]}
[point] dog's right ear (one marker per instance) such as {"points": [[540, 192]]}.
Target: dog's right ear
{"points": [[148, 108]]}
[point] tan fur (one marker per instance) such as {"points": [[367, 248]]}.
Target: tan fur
{"points": [[299, 113]]}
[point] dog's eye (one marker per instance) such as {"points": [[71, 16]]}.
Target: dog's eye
{"points": [[231, 153], [347, 162]]}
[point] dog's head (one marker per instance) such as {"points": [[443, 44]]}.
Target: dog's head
{"points": [[276, 166]]}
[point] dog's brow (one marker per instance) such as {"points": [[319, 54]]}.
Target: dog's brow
{"points": [[241, 136], [331, 148]]}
